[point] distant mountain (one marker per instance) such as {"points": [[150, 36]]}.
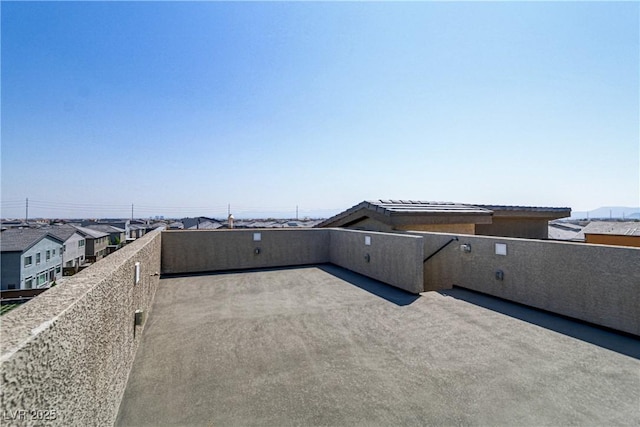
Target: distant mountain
{"points": [[609, 212]]}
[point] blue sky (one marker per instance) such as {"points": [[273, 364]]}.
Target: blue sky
{"points": [[184, 108]]}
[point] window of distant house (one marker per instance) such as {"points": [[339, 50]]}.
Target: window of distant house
{"points": [[48, 255], [38, 258], [28, 283], [42, 279], [58, 269], [28, 260], [53, 252], [80, 243], [64, 248]]}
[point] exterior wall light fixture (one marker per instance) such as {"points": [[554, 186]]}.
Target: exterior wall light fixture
{"points": [[137, 280], [138, 317]]}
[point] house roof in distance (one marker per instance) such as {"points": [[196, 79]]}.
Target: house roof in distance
{"points": [[63, 232], [424, 209], [106, 228], [88, 232], [618, 228], [21, 239]]}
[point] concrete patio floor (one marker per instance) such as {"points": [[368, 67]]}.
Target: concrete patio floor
{"points": [[323, 346]]}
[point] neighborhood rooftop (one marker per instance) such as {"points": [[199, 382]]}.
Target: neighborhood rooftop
{"points": [[17, 240]]}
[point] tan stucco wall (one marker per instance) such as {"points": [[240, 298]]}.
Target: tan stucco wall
{"points": [[612, 239], [527, 228], [595, 283], [441, 228], [370, 224], [395, 259]]}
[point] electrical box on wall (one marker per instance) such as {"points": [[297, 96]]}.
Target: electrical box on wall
{"points": [[257, 237], [367, 240], [501, 249]]}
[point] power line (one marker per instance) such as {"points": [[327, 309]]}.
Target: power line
{"points": [[80, 209]]}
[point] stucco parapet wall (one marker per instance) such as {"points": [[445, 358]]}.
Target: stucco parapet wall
{"points": [[19, 325], [599, 284], [70, 349], [198, 251], [395, 259]]}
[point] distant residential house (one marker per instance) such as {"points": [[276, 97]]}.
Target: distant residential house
{"points": [[117, 236], [446, 217], [14, 223], [200, 223], [31, 258], [74, 245], [118, 223], [617, 233], [96, 243], [176, 225], [136, 231], [156, 225]]}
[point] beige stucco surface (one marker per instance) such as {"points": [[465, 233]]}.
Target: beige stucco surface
{"points": [[596, 283], [392, 258], [69, 351]]}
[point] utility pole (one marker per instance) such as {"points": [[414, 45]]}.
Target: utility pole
{"points": [[296, 212], [131, 211], [26, 215]]}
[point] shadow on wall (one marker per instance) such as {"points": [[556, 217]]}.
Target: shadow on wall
{"points": [[613, 341], [394, 295]]}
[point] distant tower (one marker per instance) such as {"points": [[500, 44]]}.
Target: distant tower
{"points": [[230, 220]]}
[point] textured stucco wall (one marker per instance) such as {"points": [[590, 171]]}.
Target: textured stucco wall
{"points": [[595, 283], [528, 228], [441, 228], [70, 349], [193, 251], [370, 224], [392, 258]]}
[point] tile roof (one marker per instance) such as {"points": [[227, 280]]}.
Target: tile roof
{"points": [[526, 208], [408, 207], [88, 232], [621, 228], [105, 228], [63, 232], [421, 207], [205, 225], [21, 239]]}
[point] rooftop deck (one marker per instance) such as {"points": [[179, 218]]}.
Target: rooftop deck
{"points": [[322, 345]]}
